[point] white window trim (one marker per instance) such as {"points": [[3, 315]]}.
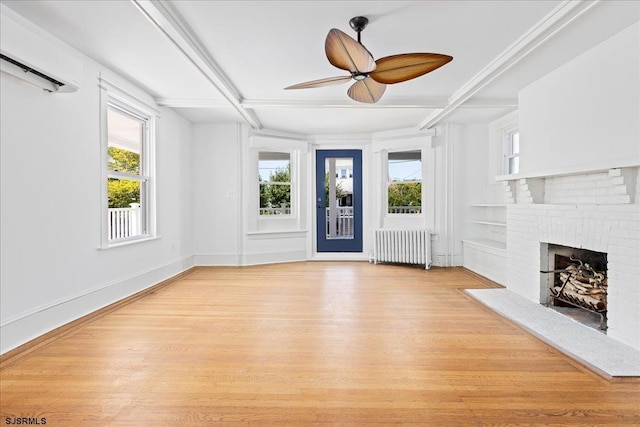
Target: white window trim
{"points": [[110, 94], [385, 192], [293, 183], [502, 129], [509, 154]]}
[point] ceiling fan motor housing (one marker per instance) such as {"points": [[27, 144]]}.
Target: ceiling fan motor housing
{"points": [[359, 23]]}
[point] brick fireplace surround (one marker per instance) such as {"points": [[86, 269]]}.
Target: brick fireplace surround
{"points": [[598, 211]]}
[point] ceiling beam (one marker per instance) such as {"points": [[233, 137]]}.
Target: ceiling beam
{"points": [[160, 14], [554, 22], [192, 103], [341, 103], [300, 104]]}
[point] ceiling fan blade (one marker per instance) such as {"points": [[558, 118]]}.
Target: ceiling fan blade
{"points": [[319, 83], [346, 53], [367, 90], [403, 67]]}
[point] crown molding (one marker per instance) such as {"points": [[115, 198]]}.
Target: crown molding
{"points": [[167, 21], [550, 25]]}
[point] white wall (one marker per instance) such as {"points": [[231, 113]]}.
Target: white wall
{"points": [[585, 115], [461, 160], [52, 270], [217, 210]]}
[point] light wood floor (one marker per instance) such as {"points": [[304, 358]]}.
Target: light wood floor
{"points": [[324, 344]]}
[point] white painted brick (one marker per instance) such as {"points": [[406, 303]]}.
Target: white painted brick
{"points": [[620, 190], [603, 183], [616, 250], [618, 180], [628, 224], [603, 219], [629, 243], [627, 290], [623, 268]]}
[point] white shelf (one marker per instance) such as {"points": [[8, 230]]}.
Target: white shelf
{"points": [[497, 224], [488, 205], [492, 244]]}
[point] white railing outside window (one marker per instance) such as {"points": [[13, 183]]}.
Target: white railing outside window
{"points": [[283, 210], [405, 209], [125, 222]]}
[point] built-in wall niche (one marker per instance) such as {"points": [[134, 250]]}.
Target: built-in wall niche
{"points": [[576, 283]]}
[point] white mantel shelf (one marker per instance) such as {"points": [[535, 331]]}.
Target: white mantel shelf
{"points": [[573, 170]]}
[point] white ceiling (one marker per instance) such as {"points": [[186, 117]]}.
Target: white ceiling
{"points": [[230, 60]]}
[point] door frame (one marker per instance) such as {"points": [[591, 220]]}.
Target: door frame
{"points": [[313, 242]]}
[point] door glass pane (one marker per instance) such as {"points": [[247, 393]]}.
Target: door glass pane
{"points": [[339, 197]]}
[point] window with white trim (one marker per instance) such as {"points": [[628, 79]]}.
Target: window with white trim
{"points": [[128, 172], [513, 152], [274, 180], [404, 182]]}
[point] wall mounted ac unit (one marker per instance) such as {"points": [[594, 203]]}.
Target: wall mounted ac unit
{"points": [[31, 57]]}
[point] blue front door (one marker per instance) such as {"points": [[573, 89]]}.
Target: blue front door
{"points": [[339, 200]]}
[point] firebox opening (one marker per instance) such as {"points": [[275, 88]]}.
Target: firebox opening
{"points": [[577, 284]]}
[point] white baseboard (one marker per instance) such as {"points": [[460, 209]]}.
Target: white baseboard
{"points": [[226, 260], [274, 258], [23, 328], [217, 260], [442, 260]]}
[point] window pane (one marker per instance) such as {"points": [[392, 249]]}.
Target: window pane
{"points": [[514, 164], [275, 199], [125, 135], [404, 193], [274, 175], [274, 167], [125, 215], [515, 143], [405, 166], [405, 198]]}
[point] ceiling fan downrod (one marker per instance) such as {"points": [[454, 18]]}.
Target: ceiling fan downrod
{"points": [[358, 24]]}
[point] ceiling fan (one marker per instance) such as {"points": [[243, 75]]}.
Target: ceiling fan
{"points": [[371, 76]]}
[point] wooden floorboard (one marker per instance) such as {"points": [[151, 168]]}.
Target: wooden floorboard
{"points": [[315, 343]]}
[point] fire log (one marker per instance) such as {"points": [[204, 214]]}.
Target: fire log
{"points": [[588, 300]]}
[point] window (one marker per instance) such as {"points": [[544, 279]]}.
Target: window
{"points": [[128, 173], [404, 184], [274, 179], [513, 152]]}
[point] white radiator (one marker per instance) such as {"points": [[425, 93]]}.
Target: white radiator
{"points": [[402, 246]]}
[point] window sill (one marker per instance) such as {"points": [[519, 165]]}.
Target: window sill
{"points": [[275, 217], [142, 239], [281, 234]]}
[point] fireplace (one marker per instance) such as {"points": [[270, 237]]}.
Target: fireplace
{"points": [[577, 283], [597, 210]]}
